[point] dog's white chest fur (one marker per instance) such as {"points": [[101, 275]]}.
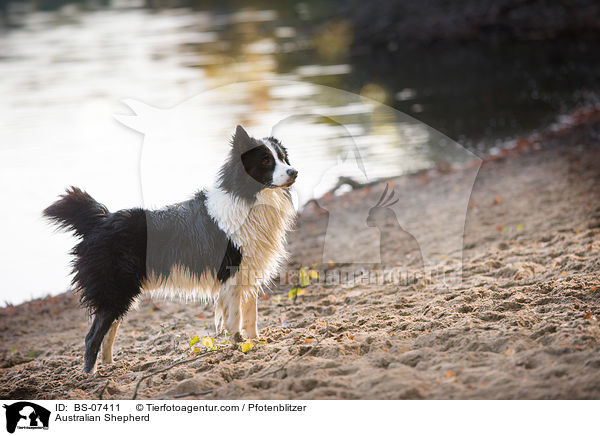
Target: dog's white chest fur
{"points": [[257, 229]]}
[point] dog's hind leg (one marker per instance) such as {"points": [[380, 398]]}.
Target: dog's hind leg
{"points": [[100, 326], [249, 315], [107, 343]]}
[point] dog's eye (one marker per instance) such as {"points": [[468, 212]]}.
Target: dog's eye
{"points": [[266, 161]]}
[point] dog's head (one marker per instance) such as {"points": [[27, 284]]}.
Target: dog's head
{"points": [[256, 164]]}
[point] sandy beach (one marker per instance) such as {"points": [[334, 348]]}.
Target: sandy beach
{"points": [[522, 322]]}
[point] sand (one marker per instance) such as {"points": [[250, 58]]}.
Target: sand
{"points": [[520, 323]]}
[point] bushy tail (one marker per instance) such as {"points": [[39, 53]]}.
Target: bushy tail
{"points": [[77, 211]]}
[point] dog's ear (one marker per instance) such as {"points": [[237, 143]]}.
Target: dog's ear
{"points": [[241, 140]]}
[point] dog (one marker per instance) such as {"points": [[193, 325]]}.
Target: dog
{"points": [[225, 244]]}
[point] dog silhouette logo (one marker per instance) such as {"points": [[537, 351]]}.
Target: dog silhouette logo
{"points": [[26, 415]]}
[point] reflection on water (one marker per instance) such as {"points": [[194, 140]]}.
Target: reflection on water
{"points": [[64, 74]]}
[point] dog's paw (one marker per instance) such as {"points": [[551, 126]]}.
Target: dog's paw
{"points": [[236, 338]]}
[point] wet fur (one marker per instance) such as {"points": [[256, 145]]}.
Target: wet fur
{"points": [[226, 243]]}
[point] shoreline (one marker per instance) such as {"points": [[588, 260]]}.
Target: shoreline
{"points": [[522, 324]]}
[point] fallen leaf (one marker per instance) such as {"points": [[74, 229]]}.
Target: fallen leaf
{"points": [[322, 324], [194, 340], [208, 342], [247, 346], [448, 374], [595, 288], [497, 200], [264, 297], [304, 277], [587, 315], [293, 293], [499, 227], [509, 352], [308, 340]]}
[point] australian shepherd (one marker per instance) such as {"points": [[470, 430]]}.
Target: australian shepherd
{"points": [[226, 243]]}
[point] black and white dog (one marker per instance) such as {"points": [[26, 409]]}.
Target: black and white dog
{"points": [[226, 244]]}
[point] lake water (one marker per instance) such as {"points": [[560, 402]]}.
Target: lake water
{"points": [[66, 73]]}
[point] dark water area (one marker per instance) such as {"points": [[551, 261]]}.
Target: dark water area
{"points": [[481, 94]]}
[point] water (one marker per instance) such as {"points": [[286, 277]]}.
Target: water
{"points": [[65, 74]]}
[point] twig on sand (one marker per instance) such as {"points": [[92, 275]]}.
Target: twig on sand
{"points": [[192, 394], [103, 390], [147, 376], [316, 344]]}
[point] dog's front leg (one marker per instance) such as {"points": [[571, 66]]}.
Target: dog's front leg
{"points": [[230, 300], [249, 316], [219, 315]]}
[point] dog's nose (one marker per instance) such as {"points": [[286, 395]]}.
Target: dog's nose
{"points": [[292, 173]]}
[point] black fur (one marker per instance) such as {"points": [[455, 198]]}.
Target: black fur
{"points": [[77, 211], [186, 234], [245, 173]]}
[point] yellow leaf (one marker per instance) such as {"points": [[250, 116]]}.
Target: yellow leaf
{"points": [[196, 350], [293, 293], [308, 340], [208, 342], [194, 340], [313, 274], [304, 278], [247, 346]]}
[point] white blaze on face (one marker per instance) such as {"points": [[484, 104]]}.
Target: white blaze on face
{"points": [[280, 173]]}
